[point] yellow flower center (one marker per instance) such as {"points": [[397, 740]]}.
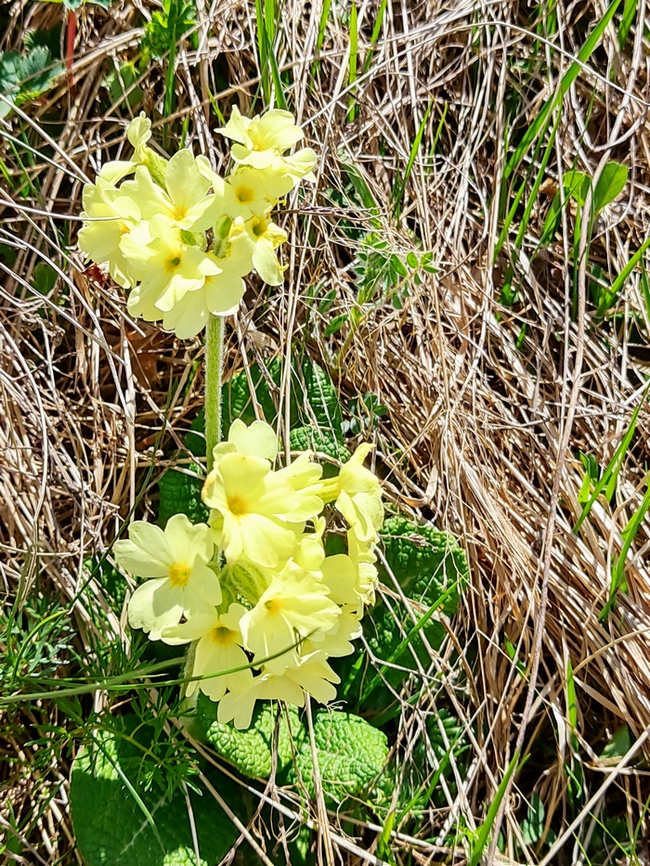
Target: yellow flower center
{"points": [[179, 574], [237, 506], [273, 605], [223, 635], [172, 263], [244, 194], [180, 212], [259, 227]]}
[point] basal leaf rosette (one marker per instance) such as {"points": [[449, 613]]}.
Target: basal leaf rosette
{"points": [[180, 237], [264, 609]]}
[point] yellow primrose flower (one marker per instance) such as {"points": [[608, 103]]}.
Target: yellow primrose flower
{"points": [[258, 439], [313, 676], [367, 579], [168, 268], [220, 295], [311, 552], [261, 141], [115, 170], [266, 236], [271, 133], [337, 641], [184, 201], [294, 605], [138, 133], [218, 650], [238, 705], [100, 239], [250, 192], [340, 576], [359, 498], [256, 511], [175, 563]]}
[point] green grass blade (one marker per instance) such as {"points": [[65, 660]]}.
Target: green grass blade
{"points": [[262, 42], [486, 828], [322, 25], [543, 118], [629, 533], [608, 479], [627, 270], [397, 652], [417, 141], [376, 30], [627, 19], [531, 201], [352, 61]]}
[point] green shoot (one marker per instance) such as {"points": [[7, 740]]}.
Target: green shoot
{"points": [[608, 479], [628, 535]]}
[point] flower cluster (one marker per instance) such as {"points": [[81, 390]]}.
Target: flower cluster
{"points": [[253, 591], [181, 237]]}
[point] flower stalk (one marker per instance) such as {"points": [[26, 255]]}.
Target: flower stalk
{"points": [[213, 373]]}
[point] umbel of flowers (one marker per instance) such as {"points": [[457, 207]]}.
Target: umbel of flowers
{"points": [[253, 591], [180, 237]]}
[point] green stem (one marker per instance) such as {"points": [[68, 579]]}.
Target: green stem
{"points": [[213, 368]]}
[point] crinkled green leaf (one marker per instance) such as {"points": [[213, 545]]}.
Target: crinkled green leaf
{"points": [[315, 439], [250, 751], [314, 401], [322, 398], [425, 561], [120, 824], [351, 753], [237, 400], [431, 568], [180, 493]]}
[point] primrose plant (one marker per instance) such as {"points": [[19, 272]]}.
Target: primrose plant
{"points": [[252, 592]]}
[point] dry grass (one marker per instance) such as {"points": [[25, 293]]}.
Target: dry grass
{"points": [[482, 433]]}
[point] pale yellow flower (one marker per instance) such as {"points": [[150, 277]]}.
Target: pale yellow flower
{"points": [[266, 237], [175, 563], [113, 217], [184, 201], [220, 294], [168, 268], [362, 555], [218, 650], [251, 192], [256, 511], [313, 676], [261, 141], [359, 497], [294, 605], [138, 133]]}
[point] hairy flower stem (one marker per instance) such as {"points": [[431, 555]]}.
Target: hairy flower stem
{"points": [[213, 370]]}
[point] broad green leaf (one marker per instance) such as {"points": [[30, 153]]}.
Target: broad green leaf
{"points": [[532, 826], [576, 185], [610, 184], [119, 823], [251, 750], [619, 745], [44, 278], [180, 493], [352, 755]]}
